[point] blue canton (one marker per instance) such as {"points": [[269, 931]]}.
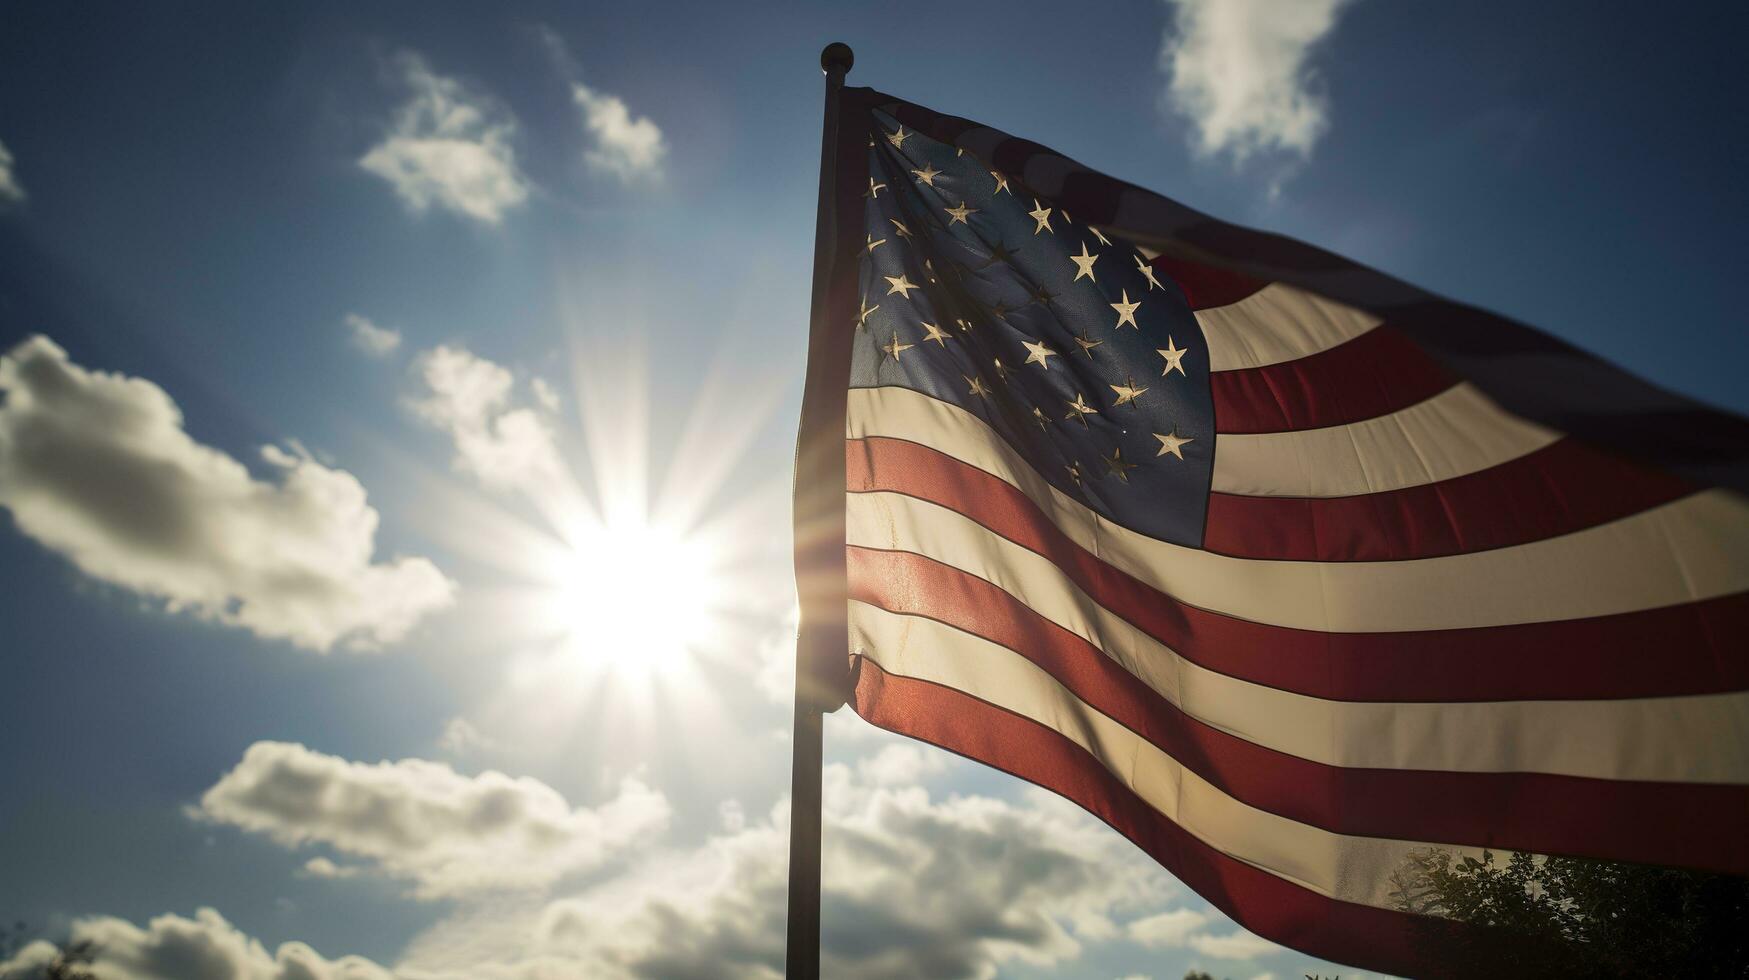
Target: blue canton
{"points": [[1088, 363]]}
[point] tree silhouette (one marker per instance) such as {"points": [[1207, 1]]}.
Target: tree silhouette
{"points": [[1584, 918], [69, 962]]}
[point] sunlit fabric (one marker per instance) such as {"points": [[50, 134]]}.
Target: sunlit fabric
{"points": [[1289, 572]]}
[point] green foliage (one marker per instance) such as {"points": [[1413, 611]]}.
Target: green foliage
{"points": [[68, 964], [1586, 918]]}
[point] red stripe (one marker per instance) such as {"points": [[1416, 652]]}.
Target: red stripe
{"points": [[1561, 488], [1377, 373], [1694, 648], [1205, 286], [1683, 824], [1271, 907]]}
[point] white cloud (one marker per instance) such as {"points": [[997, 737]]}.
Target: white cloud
{"points": [[913, 887], [369, 337], [1185, 928], [1235, 945], [1171, 928], [1238, 69], [97, 467], [902, 765], [449, 146], [775, 675], [205, 947], [460, 735], [625, 147], [546, 394], [506, 447], [321, 867], [11, 191], [421, 821]]}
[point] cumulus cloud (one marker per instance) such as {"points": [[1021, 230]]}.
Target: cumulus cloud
{"points": [[423, 822], [1238, 69], [370, 338], [903, 764], [546, 394], [1186, 928], [205, 947], [1170, 928], [914, 886], [626, 147], [1235, 945], [504, 445], [449, 147], [460, 735], [11, 191], [97, 467]]}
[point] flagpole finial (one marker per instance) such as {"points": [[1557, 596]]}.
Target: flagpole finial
{"points": [[837, 56]]}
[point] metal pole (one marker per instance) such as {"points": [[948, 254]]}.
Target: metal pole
{"points": [[802, 953]]}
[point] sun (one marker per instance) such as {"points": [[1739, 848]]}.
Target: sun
{"points": [[634, 596]]}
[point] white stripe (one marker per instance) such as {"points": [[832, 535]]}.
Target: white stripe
{"points": [[1454, 433], [1341, 866], [1277, 323], [1703, 739], [1691, 549]]}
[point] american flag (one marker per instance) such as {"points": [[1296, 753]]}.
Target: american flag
{"points": [[1288, 571]]}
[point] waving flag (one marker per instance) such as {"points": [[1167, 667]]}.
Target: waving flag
{"points": [[1290, 572]]}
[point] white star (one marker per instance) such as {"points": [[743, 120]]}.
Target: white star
{"points": [[927, 174], [1083, 264], [1001, 183], [1173, 444], [1145, 269], [1126, 311], [1079, 410], [874, 189], [1102, 239], [894, 347], [873, 241], [1040, 354], [960, 213], [977, 386], [862, 318], [1042, 215], [904, 232], [935, 333], [899, 284], [1127, 392], [1174, 356], [898, 139]]}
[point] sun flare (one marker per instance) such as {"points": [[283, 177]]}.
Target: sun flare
{"points": [[634, 596]]}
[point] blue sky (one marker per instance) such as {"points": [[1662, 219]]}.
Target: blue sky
{"points": [[478, 273]]}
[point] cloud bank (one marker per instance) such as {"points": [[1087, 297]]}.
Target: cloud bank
{"points": [[205, 947], [1186, 928], [97, 467], [421, 821], [1238, 70], [449, 147], [914, 887]]}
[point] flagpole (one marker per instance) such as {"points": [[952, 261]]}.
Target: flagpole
{"points": [[802, 953]]}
